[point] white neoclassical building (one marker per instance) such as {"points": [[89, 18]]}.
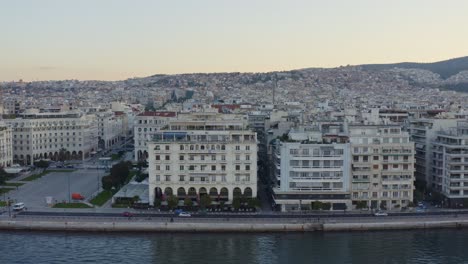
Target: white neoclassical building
{"points": [[6, 147], [42, 136], [203, 154], [146, 125]]}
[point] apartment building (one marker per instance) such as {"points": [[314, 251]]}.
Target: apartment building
{"points": [[423, 132], [203, 154], [310, 172], [6, 147], [110, 128], [43, 136], [145, 127], [382, 170], [450, 163]]}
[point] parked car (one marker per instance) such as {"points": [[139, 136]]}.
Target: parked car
{"points": [[18, 206], [127, 214], [185, 214], [380, 213]]}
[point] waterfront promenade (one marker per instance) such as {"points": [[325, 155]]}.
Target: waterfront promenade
{"points": [[224, 223]]}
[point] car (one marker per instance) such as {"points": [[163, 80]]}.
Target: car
{"points": [[127, 214], [380, 213], [420, 204], [185, 214], [18, 206], [420, 210]]}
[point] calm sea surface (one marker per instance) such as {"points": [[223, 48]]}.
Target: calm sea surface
{"points": [[437, 246]]}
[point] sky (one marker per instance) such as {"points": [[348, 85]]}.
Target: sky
{"points": [[120, 39]]}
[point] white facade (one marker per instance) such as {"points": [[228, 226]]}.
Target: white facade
{"points": [[203, 154], [313, 172], [382, 166], [145, 127], [42, 136], [450, 163], [6, 147], [423, 132], [110, 128]]}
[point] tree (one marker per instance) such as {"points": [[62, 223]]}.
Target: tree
{"points": [[172, 201], [361, 204], [43, 164], [205, 201], [142, 164], [136, 199], [157, 202], [62, 155], [383, 205], [253, 202], [317, 205], [3, 176], [119, 173], [107, 183], [188, 202], [326, 206], [236, 203]]}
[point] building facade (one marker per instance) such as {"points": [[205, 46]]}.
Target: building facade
{"points": [[312, 172], [45, 135], [145, 127], [450, 163], [382, 171], [203, 154], [6, 147]]}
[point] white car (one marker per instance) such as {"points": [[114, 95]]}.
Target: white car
{"points": [[381, 214], [18, 206], [185, 214]]}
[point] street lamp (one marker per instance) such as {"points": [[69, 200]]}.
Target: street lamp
{"points": [[9, 210], [69, 192]]}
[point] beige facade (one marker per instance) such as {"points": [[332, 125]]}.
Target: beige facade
{"points": [[382, 171], [203, 155]]}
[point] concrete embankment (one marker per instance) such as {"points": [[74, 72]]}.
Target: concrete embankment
{"points": [[397, 225], [135, 226], [130, 226]]}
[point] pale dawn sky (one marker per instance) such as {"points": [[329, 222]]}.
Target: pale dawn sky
{"points": [[117, 39]]}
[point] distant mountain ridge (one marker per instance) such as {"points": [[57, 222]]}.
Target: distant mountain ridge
{"points": [[444, 68]]}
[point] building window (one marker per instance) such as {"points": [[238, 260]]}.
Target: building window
{"points": [[168, 157], [237, 157], [213, 167], [168, 177], [158, 157], [237, 178], [247, 157], [213, 178], [158, 178], [181, 147], [167, 147], [237, 147], [202, 157], [181, 178], [158, 167], [247, 147], [181, 157], [157, 147], [181, 167], [237, 167], [223, 167], [247, 167], [376, 158], [223, 157], [168, 167], [213, 157]]}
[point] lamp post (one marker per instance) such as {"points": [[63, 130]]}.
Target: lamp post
{"points": [[9, 210], [69, 192]]}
